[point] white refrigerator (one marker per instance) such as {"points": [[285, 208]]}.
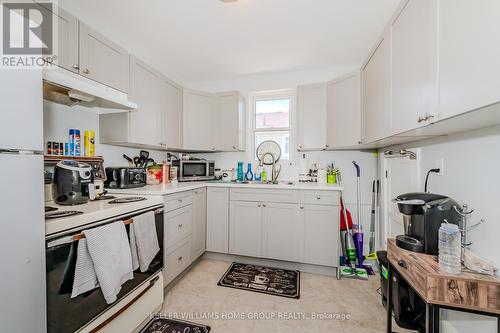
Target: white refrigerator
{"points": [[22, 222]]}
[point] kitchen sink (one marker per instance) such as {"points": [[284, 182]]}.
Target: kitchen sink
{"points": [[268, 183]]}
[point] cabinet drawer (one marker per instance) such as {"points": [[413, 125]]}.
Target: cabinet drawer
{"points": [[178, 200], [178, 225], [320, 198], [264, 195], [408, 268], [178, 258]]}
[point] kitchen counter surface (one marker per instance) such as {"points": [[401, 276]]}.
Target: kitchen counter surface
{"points": [[164, 189], [95, 211]]}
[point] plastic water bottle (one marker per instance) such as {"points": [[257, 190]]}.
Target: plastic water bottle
{"points": [[450, 248]]}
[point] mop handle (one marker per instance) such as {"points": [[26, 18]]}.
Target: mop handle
{"points": [[358, 194]]}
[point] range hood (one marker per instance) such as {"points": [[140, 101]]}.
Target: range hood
{"points": [[64, 87]]}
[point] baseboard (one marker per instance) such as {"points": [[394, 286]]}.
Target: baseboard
{"points": [[307, 268]]}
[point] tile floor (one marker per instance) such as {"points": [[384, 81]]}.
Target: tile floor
{"points": [[198, 297]]}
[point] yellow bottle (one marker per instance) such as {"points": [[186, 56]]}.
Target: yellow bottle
{"points": [[89, 143]]}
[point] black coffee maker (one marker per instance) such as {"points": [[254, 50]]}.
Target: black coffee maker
{"points": [[423, 214]]}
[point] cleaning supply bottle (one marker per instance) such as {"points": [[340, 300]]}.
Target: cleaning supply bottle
{"points": [[263, 175], [240, 172], [257, 174], [249, 174]]}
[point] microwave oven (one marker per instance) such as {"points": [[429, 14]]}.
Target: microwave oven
{"points": [[195, 170]]}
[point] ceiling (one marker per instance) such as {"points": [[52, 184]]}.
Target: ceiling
{"points": [[209, 40]]}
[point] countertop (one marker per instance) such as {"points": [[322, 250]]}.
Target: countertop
{"points": [[164, 189], [95, 211]]}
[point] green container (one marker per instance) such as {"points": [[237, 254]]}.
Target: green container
{"points": [[331, 179]]}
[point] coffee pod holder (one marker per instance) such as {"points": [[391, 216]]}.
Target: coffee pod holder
{"points": [[464, 212]]}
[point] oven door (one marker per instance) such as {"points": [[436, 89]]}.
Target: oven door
{"points": [[193, 170], [65, 314]]}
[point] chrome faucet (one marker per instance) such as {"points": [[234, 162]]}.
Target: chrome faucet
{"points": [[274, 173]]}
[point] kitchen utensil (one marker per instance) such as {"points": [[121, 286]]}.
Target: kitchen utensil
{"points": [[143, 158], [71, 181], [129, 160], [137, 161]]}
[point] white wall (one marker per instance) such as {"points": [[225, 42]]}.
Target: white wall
{"points": [[471, 175], [58, 119]]}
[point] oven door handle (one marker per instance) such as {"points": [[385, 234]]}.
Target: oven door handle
{"points": [[129, 304]]}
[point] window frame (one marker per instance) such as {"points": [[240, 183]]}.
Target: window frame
{"points": [[289, 94]]}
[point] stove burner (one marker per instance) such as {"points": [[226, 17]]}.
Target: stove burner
{"points": [[63, 213], [126, 200], [50, 209], [105, 197]]}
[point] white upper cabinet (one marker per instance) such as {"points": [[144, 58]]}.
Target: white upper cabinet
{"points": [[66, 54], [469, 56], [146, 121], [157, 122], [171, 111], [414, 66], [376, 78], [197, 120], [102, 60], [344, 111], [228, 121], [311, 102]]}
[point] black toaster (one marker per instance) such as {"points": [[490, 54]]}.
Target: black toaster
{"points": [[123, 177]]}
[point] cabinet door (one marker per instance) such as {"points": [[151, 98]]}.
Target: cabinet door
{"points": [[283, 232], [197, 117], [344, 111], [178, 225], [469, 55], [218, 220], [311, 102], [376, 93], [199, 222], [225, 121], [245, 227], [145, 122], [67, 38], [414, 65], [171, 109], [102, 60], [321, 235]]}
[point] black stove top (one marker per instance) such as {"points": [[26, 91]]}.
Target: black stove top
{"points": [[126, 200], [64, 213], [50, 209]]}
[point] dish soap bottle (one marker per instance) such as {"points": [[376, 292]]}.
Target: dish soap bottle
{"points": [[249, 174], [239, 176], [257, 175]]}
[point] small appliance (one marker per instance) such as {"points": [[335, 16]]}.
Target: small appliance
{"points": [[423, 214], [195, 170], [71, 181], [125, 177]]}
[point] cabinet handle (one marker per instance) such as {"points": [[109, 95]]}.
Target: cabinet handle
{"points": [[258, 205], [264, 205], [180, 200], [75, 66], [420, 119], [327, 146], [318, 197], [180, 225], [429, 116], [234, 147], [301, 207], [86, 71], [300, 146], [179, 259]]}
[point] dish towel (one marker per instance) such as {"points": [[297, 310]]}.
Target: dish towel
{"points": [[85, 278], [143, 241], [110, 261]]}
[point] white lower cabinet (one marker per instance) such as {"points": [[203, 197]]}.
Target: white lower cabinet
{"points": [[282, 231], [245, 225], [199, 222], [177, 259], [218, 220], [178, 225], [321, 234]]}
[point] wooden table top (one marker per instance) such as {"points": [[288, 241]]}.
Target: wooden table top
{"points": [[467, 290]]}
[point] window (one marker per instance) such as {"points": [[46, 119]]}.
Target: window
{"points": [[272, 121]]}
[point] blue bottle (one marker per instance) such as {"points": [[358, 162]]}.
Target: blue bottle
{"points": [[249, 174], [240, 172]]}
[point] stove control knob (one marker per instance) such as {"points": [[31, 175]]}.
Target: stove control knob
{"points": [[137, 177]]}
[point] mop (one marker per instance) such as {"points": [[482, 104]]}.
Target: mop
{"points": [[358, 234], [350, 271]]}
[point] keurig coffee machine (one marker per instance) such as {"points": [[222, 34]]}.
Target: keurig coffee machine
{"points": [[423, 214]]}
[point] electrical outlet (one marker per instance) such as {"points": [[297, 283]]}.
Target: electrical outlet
{"points": [[440, 164]]}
